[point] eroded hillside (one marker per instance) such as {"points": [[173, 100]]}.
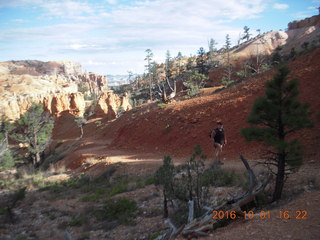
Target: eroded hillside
{"points": [[55, 84]]}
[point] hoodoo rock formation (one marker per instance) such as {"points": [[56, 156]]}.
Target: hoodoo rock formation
{"points": [[93, 83], [73, 103], [55, 104], [109, 104], [55, 84]]}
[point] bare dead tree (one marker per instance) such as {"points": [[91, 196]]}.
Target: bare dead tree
{"points": [[162, 91], [204, 224], [258, 59]]}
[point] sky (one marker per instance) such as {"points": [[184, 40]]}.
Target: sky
{"points": [[111, 36]]}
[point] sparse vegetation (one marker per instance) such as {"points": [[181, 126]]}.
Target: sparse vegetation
{"points": [[190, 182], [121, 210], [162, 105], [77, 221]]}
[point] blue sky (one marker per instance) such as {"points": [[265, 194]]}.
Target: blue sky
{"points": [[111, 36]]}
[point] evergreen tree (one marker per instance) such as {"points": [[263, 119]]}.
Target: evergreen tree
{"points": [[6, 159], [164, 177], [190, 63], [130, 75], [179, 60], [201, 61], [168, 65], [212, 48], [35, 128], [148, 68], [246, 34], [228, 72], [276, 57], [259, 31], [154, 72], [274, 117]]}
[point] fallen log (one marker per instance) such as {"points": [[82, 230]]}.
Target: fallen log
{"points": [[201, 226]]}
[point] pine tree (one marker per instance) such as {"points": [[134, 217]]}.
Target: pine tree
{"points": [[274, 117], [164, 177], [179, 58], [168, 65], [227, 79], [148, 68], [35, 128], [6, 158], [201, 60], [246, 34], [212, 48]]}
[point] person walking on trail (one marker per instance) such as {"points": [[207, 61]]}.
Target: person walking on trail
{"points": [[219, 140]]}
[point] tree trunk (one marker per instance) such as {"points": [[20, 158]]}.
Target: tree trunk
{"points": [[191, 210], [280, 177], [36, 159], [150, 88], [165, 205], [81, 131], [7, 138]]}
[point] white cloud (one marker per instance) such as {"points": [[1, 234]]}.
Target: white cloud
{"points": [[112, 1], [67, 9], [280, 6], [95, 63], [125, 31], [19, 20]]}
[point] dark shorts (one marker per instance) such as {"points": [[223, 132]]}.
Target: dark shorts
{"points": [[217, 144]]}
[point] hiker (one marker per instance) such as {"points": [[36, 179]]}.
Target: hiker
{"points": [[219, 139]]}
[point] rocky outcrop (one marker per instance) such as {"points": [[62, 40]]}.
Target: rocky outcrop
{"points": [[73, 103], [125, 104], [55, 84], [308, 22], [299, 32], [77, 104], [109, 105], [38, 68], [55, 104], [94, 84]]}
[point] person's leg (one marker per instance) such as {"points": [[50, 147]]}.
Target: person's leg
{"points": [[217, 152]]}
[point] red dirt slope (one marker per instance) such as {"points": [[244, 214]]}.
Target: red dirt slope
{"points": [[177, 128]]}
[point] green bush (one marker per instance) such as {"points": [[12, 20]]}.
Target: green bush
{"points": [[119, 187], [148, 181], [80, 182], [162, 105], [97, 122], [78, 221], [180, 216], [195, 83], [215, 176], [6, 160], [226, 82], [155, 235], [121, 210]]}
